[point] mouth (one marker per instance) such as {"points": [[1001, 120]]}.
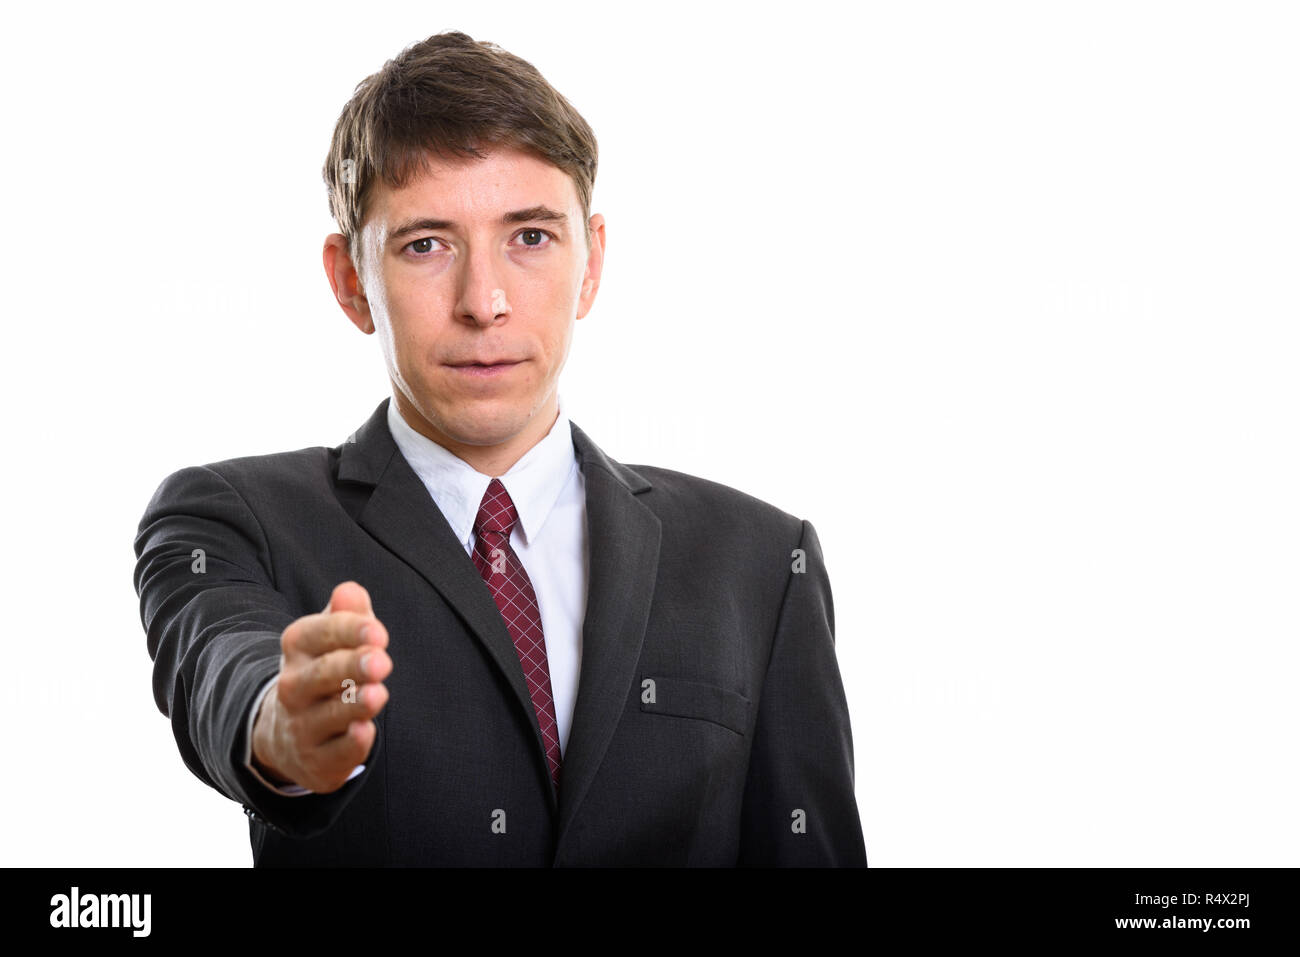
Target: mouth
{"points": [[488, 367]]}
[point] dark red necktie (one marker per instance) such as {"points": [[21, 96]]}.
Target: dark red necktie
{"points": [[513, 592]]}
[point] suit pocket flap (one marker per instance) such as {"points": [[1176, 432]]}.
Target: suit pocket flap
{"points": [[695, 699]]}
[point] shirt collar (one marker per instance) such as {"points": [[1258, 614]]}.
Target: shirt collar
{"points": [[533, 483]]}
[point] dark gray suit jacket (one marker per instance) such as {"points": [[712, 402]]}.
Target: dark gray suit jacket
{"points": [[742, 754]]}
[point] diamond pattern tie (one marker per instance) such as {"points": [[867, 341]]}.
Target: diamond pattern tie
{"points": [[513, 593]]}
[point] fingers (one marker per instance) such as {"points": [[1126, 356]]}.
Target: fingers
{"points": [[329, 717], [313, 635], [303, 681], [326, 768], [349, 596], [328, 691]]}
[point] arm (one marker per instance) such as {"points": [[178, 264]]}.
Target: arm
{"points": [[802, 756], [213, 632]]}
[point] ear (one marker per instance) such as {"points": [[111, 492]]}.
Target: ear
{"points": [[595, 263], [345, 281]]}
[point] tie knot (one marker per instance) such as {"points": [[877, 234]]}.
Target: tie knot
{"points": [[497, 513]]}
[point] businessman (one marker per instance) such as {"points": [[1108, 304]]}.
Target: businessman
{"points": [[465, 635]]}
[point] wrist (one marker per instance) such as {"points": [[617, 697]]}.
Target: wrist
{"points": [[261, 759]]}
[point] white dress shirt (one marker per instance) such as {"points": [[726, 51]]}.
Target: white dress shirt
{"points": [[550, 538]]}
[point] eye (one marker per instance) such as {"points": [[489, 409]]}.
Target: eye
{"points": [[534, 237], [422, 247]]}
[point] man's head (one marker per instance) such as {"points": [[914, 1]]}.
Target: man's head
{"points": [[461, 183]]}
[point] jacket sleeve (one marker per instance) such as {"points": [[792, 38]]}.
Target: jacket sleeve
{"points": [[799, 806], [213, 620]]}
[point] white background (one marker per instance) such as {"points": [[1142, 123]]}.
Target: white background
{"points": [[1001, 296]]}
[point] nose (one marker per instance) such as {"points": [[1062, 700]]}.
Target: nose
{"points": [[482, 289]]}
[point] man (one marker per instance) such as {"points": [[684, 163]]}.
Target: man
{"points": [[467, 636]]}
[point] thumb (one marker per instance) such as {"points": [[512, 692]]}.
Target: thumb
{"points": [[349, 596]]}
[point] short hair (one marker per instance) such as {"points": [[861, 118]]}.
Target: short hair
{"points": [[449, 96]]}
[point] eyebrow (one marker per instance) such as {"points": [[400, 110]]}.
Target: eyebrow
{"points": [[533, 214]]}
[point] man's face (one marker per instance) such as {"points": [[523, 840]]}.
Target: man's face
{"points": [[473, 275]]}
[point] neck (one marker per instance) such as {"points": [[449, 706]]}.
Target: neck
{"points": [[493, 460]]}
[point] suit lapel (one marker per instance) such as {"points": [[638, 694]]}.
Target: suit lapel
{"points": [[623, 542]]}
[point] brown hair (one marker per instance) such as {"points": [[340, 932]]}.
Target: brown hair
{"points": [[449, 95]]}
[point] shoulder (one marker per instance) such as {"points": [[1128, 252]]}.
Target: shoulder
{"points": [[689, 501], [299, 466], [256, 480]]}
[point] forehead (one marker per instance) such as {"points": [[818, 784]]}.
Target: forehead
{"points": [[469, 188]]}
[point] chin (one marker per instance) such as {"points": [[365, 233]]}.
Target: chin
{"points": [[489, 425]]}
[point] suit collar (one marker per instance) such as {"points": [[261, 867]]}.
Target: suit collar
{"points": [[623, 538], [533, 483]]}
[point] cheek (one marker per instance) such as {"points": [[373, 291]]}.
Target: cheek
{"points": [[416, 318], [547, 306], [558, 339], [560, 305]]}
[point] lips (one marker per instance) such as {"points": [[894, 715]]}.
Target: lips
{"points": [[488, 369]]}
